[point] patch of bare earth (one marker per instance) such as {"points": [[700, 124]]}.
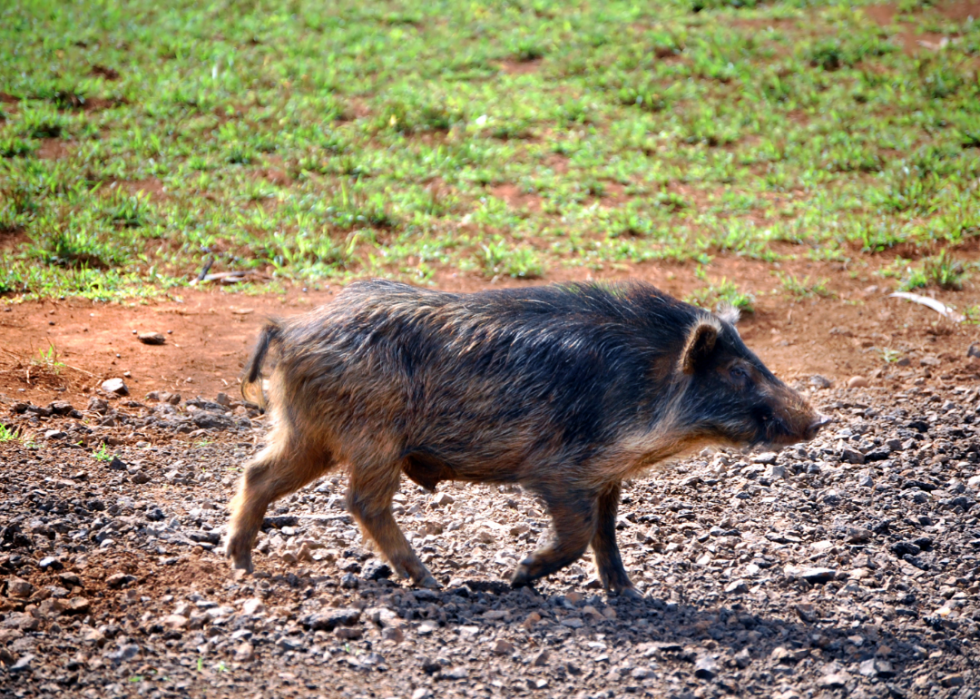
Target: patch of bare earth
{"points": [[913, 39]]}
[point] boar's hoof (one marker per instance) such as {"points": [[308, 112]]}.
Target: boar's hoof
{"points": [[429, 582], [630, 593], [241, 558], [522, 577]]}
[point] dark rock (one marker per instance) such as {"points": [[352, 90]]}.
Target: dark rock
{"points": [[119, 580], [209, 420], [904, 548], [207, 405], [123, 654], [151, 338], [50, 563], [61, 408], [705, 668], [280, 521], [97, 405], [852, 456], [328, 621], [818, 576], [376, 570], [116, 464]]}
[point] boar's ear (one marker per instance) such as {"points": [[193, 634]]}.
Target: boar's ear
{"points": [[700, 343]]}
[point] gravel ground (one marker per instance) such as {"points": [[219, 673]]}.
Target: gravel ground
{"points": [[843, 567]]}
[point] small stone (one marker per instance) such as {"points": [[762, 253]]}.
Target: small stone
{"points": [[119, 580], [705, 668], [253, 607], [349, 581], [79, 605], [541, 659], [852, 456], [245, 653], [857, 535], [376, 570], [955, 680], [116, 464], [782, 655], [442, 499], [393, 633], [835, 680], [348, 634], [502, 647], [23, 664], [19, 588], [97, 405], [743, 659], [818, 576], [819, 381], [150, 338], [774, 472], [54, 434], [52, 607], [765, 458], [456, 673], [973, 350], [422, 693], [140, 478], [174, 621], [426, 628], [115, 387], [857, 382], [328, 621], [127, 652], [573, 622], [736, 587]]}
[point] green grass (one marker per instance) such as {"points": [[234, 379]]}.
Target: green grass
{"points": [[7, 434], [322, 141], [724, 292], [805, 288]]}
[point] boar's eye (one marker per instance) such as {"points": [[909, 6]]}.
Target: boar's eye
{"points": [[739, 374]]}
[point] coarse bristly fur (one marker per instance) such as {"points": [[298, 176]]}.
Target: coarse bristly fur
{"points": [[565, 389]]}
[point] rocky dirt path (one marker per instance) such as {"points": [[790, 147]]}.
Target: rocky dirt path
{"points": [[843, 567]]}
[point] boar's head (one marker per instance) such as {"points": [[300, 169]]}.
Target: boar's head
{"points": [[731, 395]]}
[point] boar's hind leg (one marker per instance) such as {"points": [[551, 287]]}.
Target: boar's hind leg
{"points": [[574, 521], [608, 562], [369, 500], [286, 465]]}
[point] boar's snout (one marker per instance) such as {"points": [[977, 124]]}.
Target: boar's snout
{"points": [[814, 427]]}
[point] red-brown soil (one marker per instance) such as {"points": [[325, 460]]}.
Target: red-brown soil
{"points": [[209, 332]]}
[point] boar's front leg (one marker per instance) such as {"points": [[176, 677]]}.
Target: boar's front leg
{"points": [[574, 520], [608, 562], [369, 500]]}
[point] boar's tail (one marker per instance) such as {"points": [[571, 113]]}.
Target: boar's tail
{"points": [[251, 384]]}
